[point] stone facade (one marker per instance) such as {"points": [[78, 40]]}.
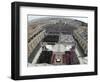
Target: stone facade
{"points": [[34, 40], [81, 36]]}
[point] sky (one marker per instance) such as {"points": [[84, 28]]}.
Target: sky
{"points": [[33, 17]]}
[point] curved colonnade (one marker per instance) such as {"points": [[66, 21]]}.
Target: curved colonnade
{"points": [[37, 33]]}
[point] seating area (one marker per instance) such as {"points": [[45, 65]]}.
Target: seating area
{"points": [[45, 57], [71, 58], [51, 38]]}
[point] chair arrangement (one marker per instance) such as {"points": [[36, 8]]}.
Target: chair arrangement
{"points": [[69, 58], [45, 57], [51, 38]]}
